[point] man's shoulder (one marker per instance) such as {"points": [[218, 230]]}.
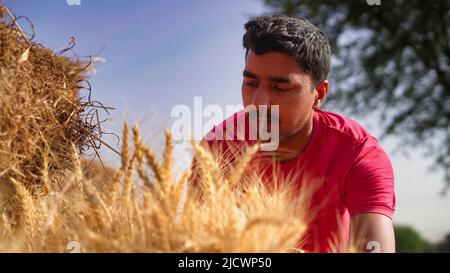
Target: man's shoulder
{"points": [[351, 140]]}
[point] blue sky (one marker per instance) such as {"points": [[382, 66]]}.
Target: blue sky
{"points": [[163, 53]]}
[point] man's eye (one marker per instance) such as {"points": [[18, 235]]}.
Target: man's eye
{"points": [[278, 88], [250, 84]]}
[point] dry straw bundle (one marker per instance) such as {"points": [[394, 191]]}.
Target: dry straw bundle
{"points": [[41, 113]]}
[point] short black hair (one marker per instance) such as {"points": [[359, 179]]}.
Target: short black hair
{"points": [[291, 35]]}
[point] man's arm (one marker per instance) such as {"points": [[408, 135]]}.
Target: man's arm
{"points": [[372, 232], [370, 199]]}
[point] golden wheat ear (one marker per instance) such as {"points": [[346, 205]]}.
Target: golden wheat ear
{"points": [[238, 170], [209, 172], [27, 210], [166, 169], [125, 147]]}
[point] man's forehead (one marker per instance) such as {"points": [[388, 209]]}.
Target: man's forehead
{"points": [[286, 77], [274, 65]]}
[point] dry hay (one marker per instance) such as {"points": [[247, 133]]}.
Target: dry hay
{"points": [[41, 110], [43, 115]]}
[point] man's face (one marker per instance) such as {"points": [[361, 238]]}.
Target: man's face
{"points": [[275, 78]]}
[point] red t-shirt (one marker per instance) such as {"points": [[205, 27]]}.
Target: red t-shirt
{"points": [[352, 173]]}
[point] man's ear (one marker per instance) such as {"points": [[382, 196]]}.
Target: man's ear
{"points": [[321, 91]]}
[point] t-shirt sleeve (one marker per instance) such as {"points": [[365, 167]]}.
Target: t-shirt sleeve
{"points": [[369, 183]]}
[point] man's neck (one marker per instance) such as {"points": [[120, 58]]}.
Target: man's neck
{"points": [[293, 145]]}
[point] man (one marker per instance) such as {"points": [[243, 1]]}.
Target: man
{"points": [[287, 64]]}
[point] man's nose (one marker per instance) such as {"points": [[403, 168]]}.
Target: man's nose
{"points": [[261, 97]]}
